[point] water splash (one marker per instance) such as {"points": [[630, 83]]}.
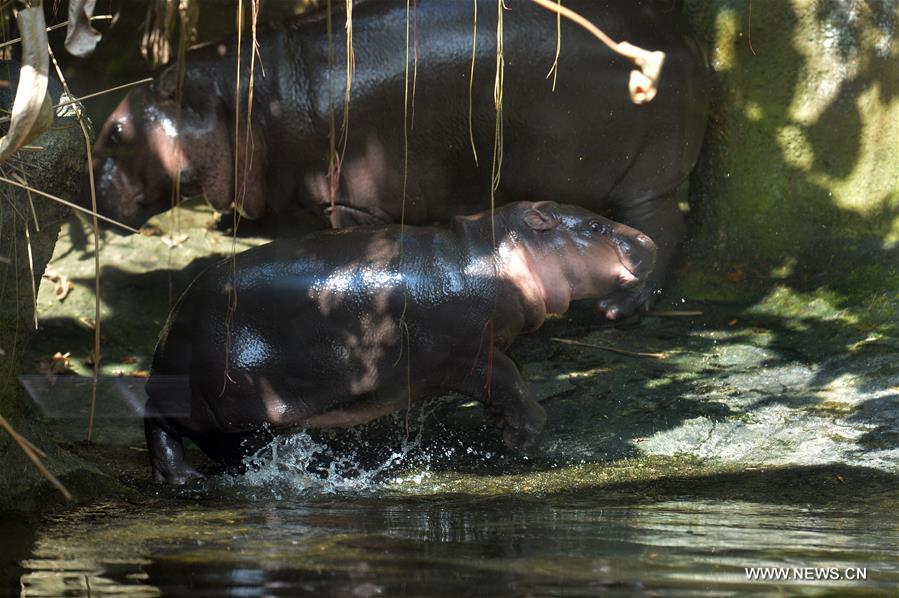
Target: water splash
{"points": [[378, 458]]}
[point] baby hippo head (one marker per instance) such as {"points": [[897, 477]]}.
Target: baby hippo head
{"points": [[577, 254]]}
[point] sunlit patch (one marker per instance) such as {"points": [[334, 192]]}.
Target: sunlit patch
{"points": [[797, 150], [249, 349], [727, 30], [753, 111]]}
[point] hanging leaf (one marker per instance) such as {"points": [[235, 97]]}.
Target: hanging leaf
{"points": [[81, 37], [32, 110]]}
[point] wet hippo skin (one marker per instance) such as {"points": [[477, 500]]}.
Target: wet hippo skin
{"points": [[337, 328], [584, 144]]}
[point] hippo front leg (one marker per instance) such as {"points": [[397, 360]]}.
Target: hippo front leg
{"points": [[661, 219], [166, 448], [505, 394]]}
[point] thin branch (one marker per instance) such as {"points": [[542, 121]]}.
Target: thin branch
{"points": [[54, 27], [68, 204], [34, 455], [92, 95], [566, 341]]}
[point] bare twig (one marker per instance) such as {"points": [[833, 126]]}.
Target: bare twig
{"points": [[566, 341], [89, 96], [31, 271], [67, 203], [55, 27]]}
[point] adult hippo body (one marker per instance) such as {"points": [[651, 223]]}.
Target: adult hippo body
{"points": [[337, 328], [585, 143]]}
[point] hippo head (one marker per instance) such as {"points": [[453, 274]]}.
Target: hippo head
{"points": [[577, 254], [150, 139]]}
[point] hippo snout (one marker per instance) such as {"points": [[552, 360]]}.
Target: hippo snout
{"points": [[636, 251]]}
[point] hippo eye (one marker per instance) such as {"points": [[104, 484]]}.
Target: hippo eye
{"points": [[596, 226], [115, 135]]}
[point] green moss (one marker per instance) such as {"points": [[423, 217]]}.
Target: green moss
{"points": [[800, 157]]}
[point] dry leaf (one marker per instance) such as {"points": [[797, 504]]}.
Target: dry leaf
{"points": [[81, 37], [150, 230], [32, 110], [58, 364], [63, 287]]}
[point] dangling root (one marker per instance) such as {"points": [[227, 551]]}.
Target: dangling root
{"points": [[496, 168], [554, 69], [643, 84], [474, 52]]}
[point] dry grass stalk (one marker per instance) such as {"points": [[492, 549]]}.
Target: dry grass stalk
{"points": [[92, 213], [95, 225], [474, 53], [554, 69], [497, 165], [566, 341], [34, 455]]}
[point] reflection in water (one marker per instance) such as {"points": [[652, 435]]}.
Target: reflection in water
{"points": [[449, 545]]}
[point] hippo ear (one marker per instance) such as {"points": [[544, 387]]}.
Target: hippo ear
{"points": [[166, 84], [539, 220]]}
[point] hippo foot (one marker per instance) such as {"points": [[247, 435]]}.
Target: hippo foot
{"points": [[623, 305], [178, 477], [523, 426]]}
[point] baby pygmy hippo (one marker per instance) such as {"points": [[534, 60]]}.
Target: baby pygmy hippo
{"points": [[340, 327]]}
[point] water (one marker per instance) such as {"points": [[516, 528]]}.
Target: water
{"points": [[450, 546], [302, 522]]}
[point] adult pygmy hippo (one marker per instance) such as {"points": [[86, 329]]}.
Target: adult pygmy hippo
{"points": [[337, 328], [584, 144]]}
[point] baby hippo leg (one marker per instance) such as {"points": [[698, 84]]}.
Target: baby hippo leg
{"points": [[499, 385]]}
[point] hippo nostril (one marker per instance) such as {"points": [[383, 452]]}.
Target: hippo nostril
{"points": [[637, 254]]}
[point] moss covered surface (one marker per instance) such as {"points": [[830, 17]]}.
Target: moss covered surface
{"points": [[800, 171]]}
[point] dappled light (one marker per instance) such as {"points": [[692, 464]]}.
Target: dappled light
{"points": [[452, 393]]}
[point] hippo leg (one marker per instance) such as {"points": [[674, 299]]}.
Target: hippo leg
{"points": [[167, 454], [166, 447], [661, 219], [507, 397]]}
